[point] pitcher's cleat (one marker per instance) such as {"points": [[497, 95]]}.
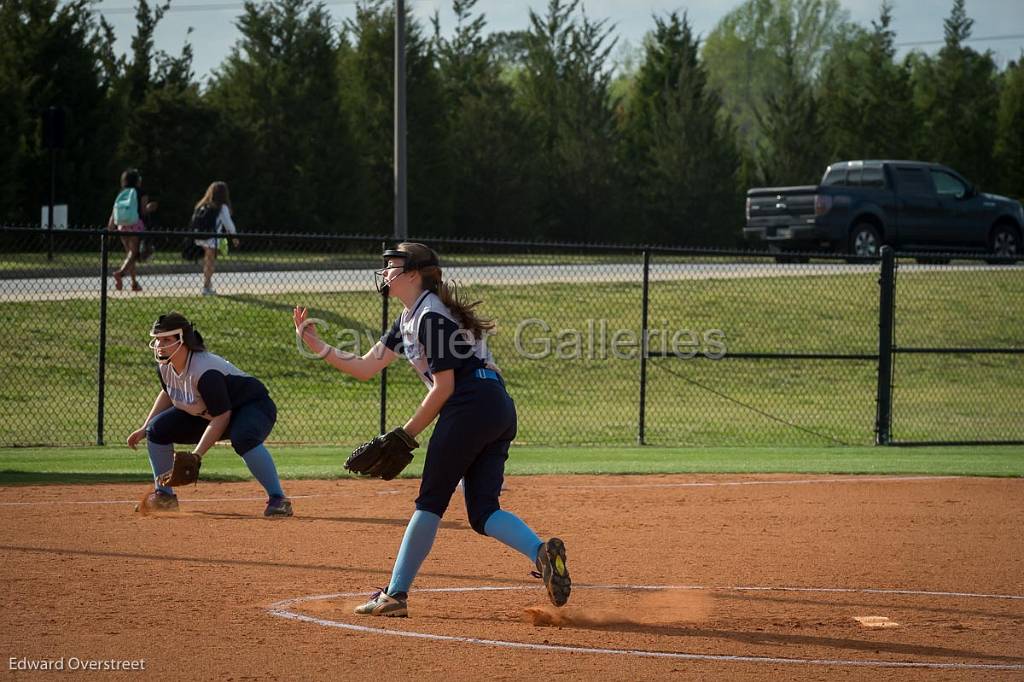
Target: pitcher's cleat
{"points": [[383, 604], [157, 501], [552, 569], [278, 506]]}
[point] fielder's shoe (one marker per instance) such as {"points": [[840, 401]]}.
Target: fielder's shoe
{"points": [[278, 506], [552, 569], [383, 604], [209, 291], [158, 501], [118, 282]]}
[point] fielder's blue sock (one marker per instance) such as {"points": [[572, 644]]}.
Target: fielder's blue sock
{"points": [[161, 459], [261, 464], [419, 538], [511, 530]]}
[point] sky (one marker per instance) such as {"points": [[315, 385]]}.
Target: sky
{"points": [[998, 24]]}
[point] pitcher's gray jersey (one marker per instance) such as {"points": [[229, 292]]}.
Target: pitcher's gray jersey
{"points": [[431, 339]]}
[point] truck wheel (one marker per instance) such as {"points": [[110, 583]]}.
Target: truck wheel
{"points": [[1005, 243], [864, 242]]}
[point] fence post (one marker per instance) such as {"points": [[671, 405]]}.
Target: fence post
{"points": [[384, 372], [886, 325], [643, 347], [102, 364]]}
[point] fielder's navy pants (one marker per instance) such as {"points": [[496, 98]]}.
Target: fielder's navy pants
{"points": [[250, 425]]}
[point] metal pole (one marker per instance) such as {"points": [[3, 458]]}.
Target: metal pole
{"points": [[53, 194], [643, 346], [886, 326], [384, 372], [401, 222], [101, 372]]}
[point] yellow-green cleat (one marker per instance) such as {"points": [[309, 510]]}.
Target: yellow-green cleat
{"points": [[551, 565]]}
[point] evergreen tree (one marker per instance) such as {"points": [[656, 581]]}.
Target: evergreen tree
{"points": [[683, 158], [167, 122], [487, 140], [791, 149], [564, 92], [56, 54], [956, 94], [1009, 147], [295, 167], [366, 66], [866, 98]]}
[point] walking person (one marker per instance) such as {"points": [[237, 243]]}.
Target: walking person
{"points": [[127, 218], [202, 398], [443, 338], [213, 214]]}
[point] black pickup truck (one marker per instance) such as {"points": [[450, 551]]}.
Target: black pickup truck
{"points": [[861, 205]]}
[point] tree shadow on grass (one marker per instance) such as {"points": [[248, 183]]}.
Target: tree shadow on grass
{"points": [[335, 320]]}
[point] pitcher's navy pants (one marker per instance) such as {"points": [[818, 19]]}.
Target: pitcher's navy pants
{"points": [[470, 442]]}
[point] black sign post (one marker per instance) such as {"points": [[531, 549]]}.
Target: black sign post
{"points": [[53, 139]]}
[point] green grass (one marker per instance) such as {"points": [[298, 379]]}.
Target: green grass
{"points": [[119, 464], [48, 384]]}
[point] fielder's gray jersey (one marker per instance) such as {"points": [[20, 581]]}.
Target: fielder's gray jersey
{"points": [[209, 385], [431, 339]]}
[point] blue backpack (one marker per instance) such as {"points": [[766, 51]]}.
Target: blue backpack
{"points": [[126, 207]]}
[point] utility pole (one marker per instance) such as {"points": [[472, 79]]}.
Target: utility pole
{"points": [[401, 219]]}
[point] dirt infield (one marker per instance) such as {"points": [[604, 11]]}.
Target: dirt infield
{"points": [[697, 577]]}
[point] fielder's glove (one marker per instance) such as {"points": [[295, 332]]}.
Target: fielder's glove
{"points": [[384, 456], [184, 471]]}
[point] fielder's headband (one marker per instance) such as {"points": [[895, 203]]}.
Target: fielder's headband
{"points": [[173, 332]]}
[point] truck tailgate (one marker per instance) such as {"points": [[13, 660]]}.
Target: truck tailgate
{"points": [[780, 205]]}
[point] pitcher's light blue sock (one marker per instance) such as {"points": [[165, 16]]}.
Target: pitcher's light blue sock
{"points": [[261, 464], [161, 459], [511, 530], [419, 538]]}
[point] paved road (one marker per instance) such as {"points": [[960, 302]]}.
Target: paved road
{"points": [[306, 281]]}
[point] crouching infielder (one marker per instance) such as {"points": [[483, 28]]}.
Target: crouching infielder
{"points": [[443, 339], [202, 398]]}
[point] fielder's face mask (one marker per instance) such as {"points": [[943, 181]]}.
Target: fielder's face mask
{"points": [[162, 350]]}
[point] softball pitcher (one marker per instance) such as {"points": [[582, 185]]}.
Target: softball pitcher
{"points": [[443, 339], [203, 397]]}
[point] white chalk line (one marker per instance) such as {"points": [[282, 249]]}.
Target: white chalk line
{"points": [[852, 478], [281, 610]]}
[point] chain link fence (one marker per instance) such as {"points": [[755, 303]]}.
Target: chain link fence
{"points": [[958, 353], [740, 350]]}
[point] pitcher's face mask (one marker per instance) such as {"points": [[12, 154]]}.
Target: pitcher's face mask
{"points": [[165, 345], [396, 264]]}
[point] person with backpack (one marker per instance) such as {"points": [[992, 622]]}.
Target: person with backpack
{"points": [[213, 214], [126, 217]]}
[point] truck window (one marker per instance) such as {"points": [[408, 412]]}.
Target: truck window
{"points": [[853, 177], [873, 177], [913, 180], [948, 186], [835, 176]]}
